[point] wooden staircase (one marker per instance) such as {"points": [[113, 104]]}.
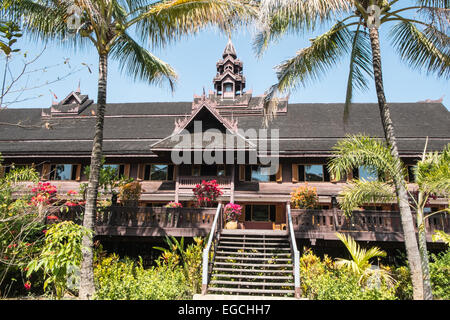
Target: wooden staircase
{"points": [[252, 262]]}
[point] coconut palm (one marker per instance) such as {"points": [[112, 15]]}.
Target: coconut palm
{"points": [[120, 29], [419, 33], [432, 178], [360, 261]]}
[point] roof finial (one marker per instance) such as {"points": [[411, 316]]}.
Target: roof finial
{"points": [[229, 49], [79, 87]]}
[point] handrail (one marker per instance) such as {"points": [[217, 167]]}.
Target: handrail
{"points": [[295, 252], [205, 260]]}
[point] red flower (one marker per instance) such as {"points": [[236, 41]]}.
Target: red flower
{"points": [[52, 218], [27, 285]]}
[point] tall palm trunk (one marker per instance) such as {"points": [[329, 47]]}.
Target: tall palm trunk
{"points": [[428, 294], [412, 249], [87, 287]]}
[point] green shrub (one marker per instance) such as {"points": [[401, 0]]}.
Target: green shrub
{"points": [[322, 280], [440, 275], [125, 280]]}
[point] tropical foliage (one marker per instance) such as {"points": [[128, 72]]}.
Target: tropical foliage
{"points": [[322, 279], [419, 33], [422, 41], [60, 257], [120, 29], [305, 197], [432, 176]]}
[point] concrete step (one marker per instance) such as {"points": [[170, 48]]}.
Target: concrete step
{"points": [[251, 258], [256, 291], [221, 253], [276, 271], [255, 232], [246, 238], [259, 243], [241, 264], [210, 296], [252, 248], [251, 283], [246, 276]]}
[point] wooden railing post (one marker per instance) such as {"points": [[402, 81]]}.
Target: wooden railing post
{"points": [[205, 260], [296, 253]]}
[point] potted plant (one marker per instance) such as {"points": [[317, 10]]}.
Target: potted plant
{"points": [[304, 197], [206, 193], [173, 204], [232, 212]]}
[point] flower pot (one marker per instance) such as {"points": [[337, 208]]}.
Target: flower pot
{"points": [[231, 225]]}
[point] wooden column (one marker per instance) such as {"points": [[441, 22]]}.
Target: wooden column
{"points": [[232, 183], [177, 182]]}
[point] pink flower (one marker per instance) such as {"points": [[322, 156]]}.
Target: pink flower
{"points": [[71, 192]]}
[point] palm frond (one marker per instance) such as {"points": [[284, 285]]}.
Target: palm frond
{"points": [[427, 50], [360, 192], [360, 261], [140, 64], [433, 172], [166, 21], [359, 150], [360, 66], [311, 63], [307, 65]]}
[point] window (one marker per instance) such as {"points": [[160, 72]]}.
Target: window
{"points": [[196, 170], [367, 173], [411, 174], [119, 168], [313, 173], [228, 87], [260, 212], [158, 172], [63, 172], [261, 173], [221, 170]]}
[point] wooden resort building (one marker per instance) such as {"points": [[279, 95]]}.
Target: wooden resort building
{"points": [[141, 138]]}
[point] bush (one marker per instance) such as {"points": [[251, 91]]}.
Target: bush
{"points": [[304, 197], [322, 280], [125, 280], [440, 275]]}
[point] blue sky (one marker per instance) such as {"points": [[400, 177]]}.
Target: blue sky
{"points": [[194, 59]]}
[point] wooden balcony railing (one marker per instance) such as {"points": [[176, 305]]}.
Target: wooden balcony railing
{"points": [[365, 225], [307, 224], [191, 182]]}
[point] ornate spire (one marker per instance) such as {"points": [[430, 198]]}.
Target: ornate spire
{"points": [[229, 50], [229, 81]]}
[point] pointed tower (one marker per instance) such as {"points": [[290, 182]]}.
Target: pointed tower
{"points": [[229, 81]]}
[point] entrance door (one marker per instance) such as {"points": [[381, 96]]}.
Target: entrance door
{"points": [[260, 216]]}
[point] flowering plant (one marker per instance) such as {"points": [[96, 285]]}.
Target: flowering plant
{"points": [[206, 192], [232, 211], [44, 193], [173, 204], [304, 197]]}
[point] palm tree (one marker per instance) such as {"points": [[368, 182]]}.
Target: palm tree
{"points": [[359, 263], [419, 33], [432, 176], [107, 25]]}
